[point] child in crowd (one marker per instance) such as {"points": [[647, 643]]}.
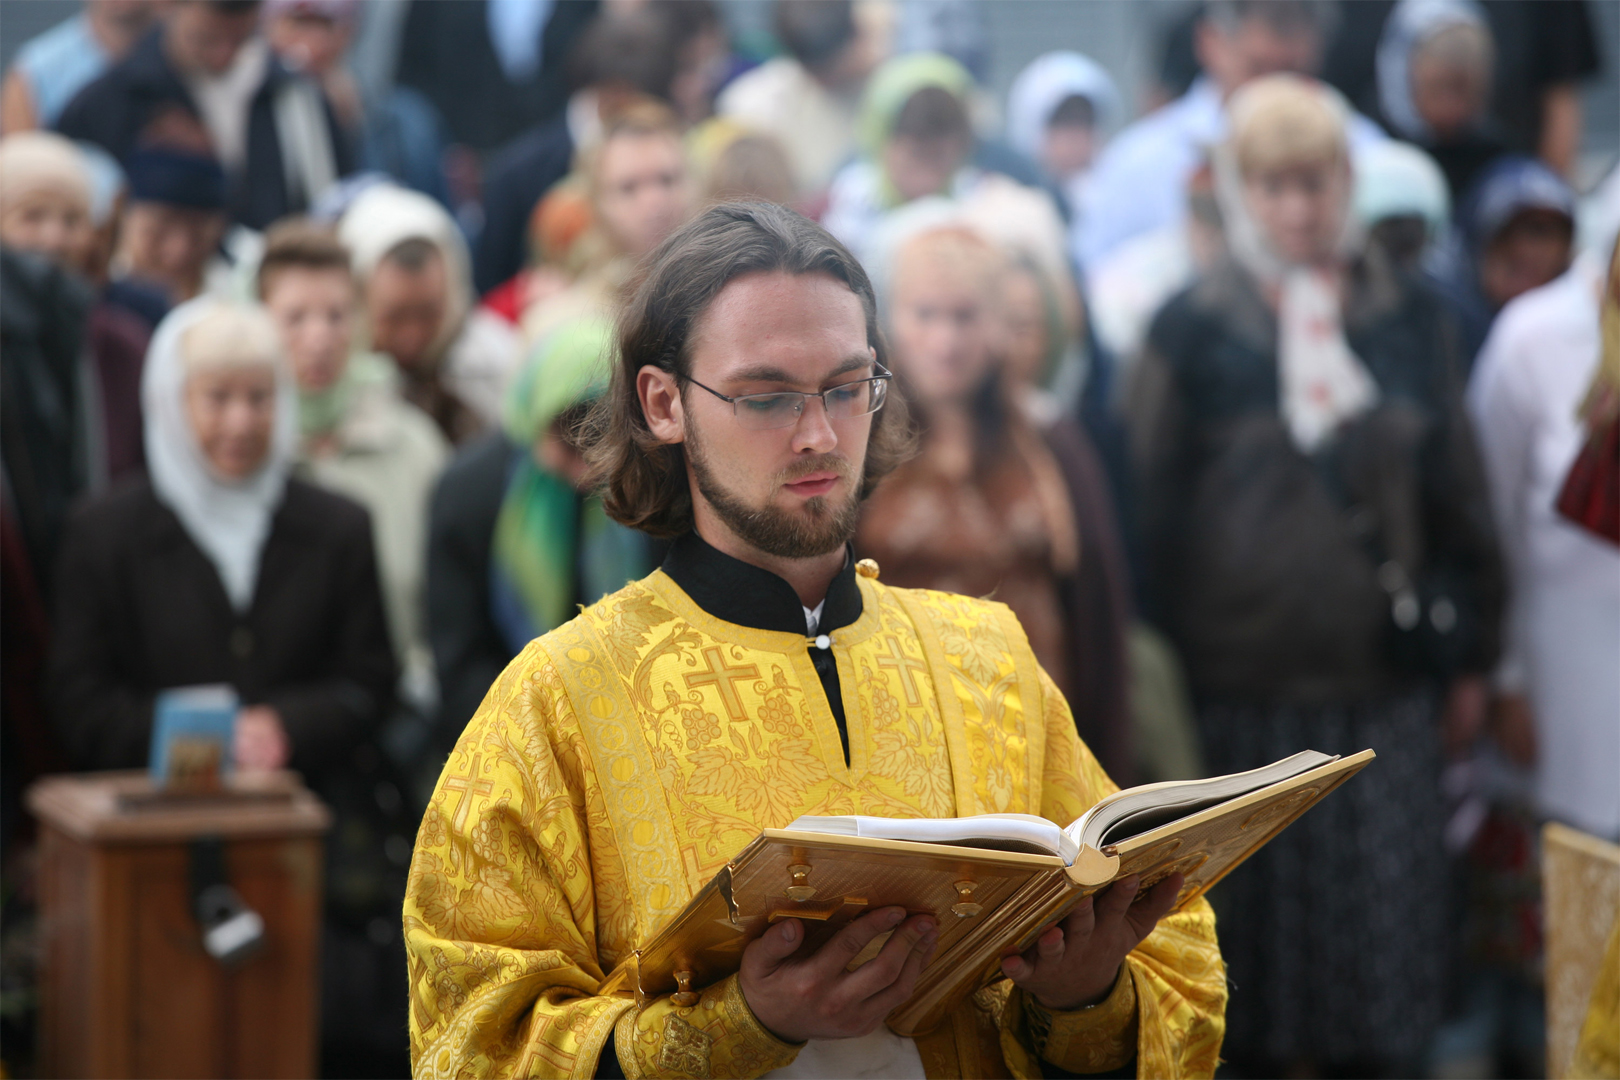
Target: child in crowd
{"points": [[358, 436]]}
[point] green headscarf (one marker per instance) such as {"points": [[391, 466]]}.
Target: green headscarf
{"points": [[321, 411], [893, 84], [546, 535]]}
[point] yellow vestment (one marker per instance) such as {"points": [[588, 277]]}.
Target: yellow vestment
{"points": [[621, 759]]}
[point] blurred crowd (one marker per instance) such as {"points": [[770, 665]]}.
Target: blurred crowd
{"points": [[1257, 408]]}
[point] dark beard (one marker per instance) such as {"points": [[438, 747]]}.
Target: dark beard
{"points": [[772, 531]]}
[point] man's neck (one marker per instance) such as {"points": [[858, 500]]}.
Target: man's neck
{"points": [[810, 578]]}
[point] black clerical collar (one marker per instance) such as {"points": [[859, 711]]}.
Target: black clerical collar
{"points": [[737, 592]]}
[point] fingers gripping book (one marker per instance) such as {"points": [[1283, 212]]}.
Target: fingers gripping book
{"points": [[993, 882]]}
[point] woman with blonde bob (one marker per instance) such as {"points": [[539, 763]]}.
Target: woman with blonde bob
{"points": [[1319, 548], [995, 504]]}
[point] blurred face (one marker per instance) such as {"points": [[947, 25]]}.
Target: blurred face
{"points": [[1027, 335], [407, 310], [791, 492], [945, 334], [1530, 251], [314, 310], [919, 167], [232, 411], [1450, 98], [641, 189], [1300, 209], [309, 43], [51, 223], [118, 24], [170, 245], [1068, 149], [203, 39], [699, 74], [1255, 48]]}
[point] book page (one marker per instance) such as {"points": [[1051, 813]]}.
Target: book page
{"points": [[998, 832]]}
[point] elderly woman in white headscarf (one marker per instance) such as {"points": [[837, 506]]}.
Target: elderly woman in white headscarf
{"points": [[416, 286], [1436, 60], [1319, 546], [220, 568]]}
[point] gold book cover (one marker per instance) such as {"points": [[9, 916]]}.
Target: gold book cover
{"points": [[988, 902]]}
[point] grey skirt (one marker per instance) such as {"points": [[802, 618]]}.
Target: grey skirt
{"points": [[1335, 934]]}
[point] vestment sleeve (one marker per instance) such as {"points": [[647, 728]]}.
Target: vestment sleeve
{"points": [[1173, 986], [501, 915]]}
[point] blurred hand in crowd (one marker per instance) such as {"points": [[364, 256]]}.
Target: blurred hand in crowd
{"points": [[261, 741], [1513, 724], [1463, 716]]}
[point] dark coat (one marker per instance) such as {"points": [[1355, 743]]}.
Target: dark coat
{"points": [[139, 609], [114, 110], [43, 442], [518, 178], [1096, 604], [1262, 560], [445, 53], [469, 650]]}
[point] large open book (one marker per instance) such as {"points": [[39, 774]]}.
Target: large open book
{"points": [[994, 881]]}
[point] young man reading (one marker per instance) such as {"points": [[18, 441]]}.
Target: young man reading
{"points": [[761, 674]]}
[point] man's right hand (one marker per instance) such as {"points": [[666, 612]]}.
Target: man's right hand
{"points": [[814, 997]]}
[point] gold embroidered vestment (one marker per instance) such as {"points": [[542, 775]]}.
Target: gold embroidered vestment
{"points": [[621, 759]]}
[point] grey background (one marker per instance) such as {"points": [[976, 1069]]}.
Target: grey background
{"points": [[1123, 35]]}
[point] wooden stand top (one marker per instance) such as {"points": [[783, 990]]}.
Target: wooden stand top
{"points": [[124, 808]]}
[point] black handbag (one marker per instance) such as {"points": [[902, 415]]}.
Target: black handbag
{"points": [[1434, 621]]}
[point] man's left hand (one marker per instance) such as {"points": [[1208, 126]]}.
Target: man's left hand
{"points": [[1075, 963]]}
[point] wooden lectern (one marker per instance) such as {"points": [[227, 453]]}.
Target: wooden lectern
{"points": [[1580, 890], [126, 986]]}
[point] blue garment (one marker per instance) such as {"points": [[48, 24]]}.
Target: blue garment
{"points": [[1139, 183], [59, 63], [514, 31]]}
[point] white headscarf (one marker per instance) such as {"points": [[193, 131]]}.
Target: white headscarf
{"points": [[1044, 85], [1409, 25], [228, 521], [1324, 383], [1395, 179], [385, 216]]}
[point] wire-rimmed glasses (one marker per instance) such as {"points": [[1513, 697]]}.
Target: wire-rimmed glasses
{"points": [[761, 412]]}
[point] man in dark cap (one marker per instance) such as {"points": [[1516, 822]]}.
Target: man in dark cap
{"points": [[175, 222]]}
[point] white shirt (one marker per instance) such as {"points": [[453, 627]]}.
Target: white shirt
{"points": [[1562, 641]]}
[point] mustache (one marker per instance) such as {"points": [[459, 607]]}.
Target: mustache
{"points": [[822, 463]]}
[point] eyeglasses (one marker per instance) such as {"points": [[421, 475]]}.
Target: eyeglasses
{"points": [[761, 412]]}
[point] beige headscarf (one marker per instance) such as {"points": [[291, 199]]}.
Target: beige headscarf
{"points": [[386, 216], [1277, 121], [42, 160]]}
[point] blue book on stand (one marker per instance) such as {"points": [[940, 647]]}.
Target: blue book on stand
{"points": [[192, 730]]}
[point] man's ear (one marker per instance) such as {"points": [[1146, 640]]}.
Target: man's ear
{"points": [[661, 404]]}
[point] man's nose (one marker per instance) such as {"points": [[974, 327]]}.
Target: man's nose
{"points": [[814, 430]]}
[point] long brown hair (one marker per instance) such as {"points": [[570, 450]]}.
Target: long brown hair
{"points": [[642, 480]]}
